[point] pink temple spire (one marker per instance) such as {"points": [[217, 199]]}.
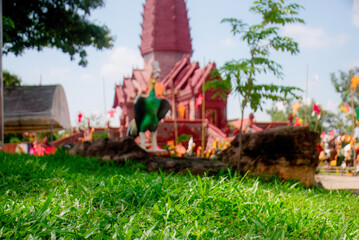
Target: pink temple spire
{"points": [[165, 33]]}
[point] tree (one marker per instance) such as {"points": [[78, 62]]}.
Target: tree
{"points": [[279, 115], [240, 76], [11, 79], [342, 84], [61, 24], [326, 122]]}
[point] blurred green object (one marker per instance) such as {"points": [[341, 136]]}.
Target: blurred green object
{"points": [[340, 159]]}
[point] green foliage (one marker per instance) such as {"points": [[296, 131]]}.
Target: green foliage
{"points": [[19, 137], [11, 79], [103, 134], [341, 83], [183, 138], [277, 115], [70, 197], [326, 122], [240, 76], [14, 140], [11, 137], [64, 25], [61, 134]]}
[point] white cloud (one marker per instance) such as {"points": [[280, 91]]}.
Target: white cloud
{"points": [[331, 106], [120, 62], [310, 37], [356, 13], [227, 42]]}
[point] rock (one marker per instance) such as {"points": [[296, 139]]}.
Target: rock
{"points": [[288, 152], [123, 149], [97, 148], [80, 148], [106, 158]]}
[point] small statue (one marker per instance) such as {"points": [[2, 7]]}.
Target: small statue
{"points": [[148, 112]]}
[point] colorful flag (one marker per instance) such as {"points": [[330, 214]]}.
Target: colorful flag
{"points": [[332, 132], [316, 109], [357, 112], [344, 109]]}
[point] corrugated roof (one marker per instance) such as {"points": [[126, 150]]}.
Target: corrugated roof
{"points": [[31, 108]]}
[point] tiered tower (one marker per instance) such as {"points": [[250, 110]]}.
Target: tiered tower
{"points": [[165, 34]]}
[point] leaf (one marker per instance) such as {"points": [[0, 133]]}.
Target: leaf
{"points": [[277, 234], [342, 232], [129, 234], [240, 76], [257, 222], [46, 203], [321, 233], [42, 25], [184, 138]]}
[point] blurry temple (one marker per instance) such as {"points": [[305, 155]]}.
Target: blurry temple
{"points": [[166, 39]]}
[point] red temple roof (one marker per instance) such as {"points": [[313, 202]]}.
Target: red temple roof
{"points": [[187, 77]]}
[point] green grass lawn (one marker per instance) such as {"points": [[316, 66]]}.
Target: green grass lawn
{"points": [[71, 197]]}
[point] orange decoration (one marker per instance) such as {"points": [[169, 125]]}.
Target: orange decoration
{"points": [[198, 153], [355, 81], [180, 149], [295, 108], [298, 122], [160, 89], [182, 110]]}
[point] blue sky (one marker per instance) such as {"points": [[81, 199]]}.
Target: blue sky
{"points": [[328, 43]]}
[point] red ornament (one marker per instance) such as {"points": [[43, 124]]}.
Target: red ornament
{"points": [[79, 117], [112, 112]]}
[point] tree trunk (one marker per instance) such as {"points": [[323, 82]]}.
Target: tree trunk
{"points": [[288, 152], [240, 139], [123, 149]]}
